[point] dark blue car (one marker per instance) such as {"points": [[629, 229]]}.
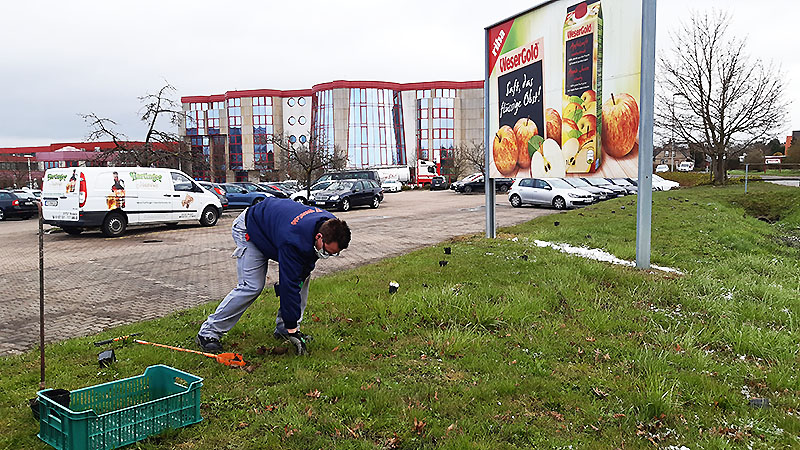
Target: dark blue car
{"points": [[241, 197]]}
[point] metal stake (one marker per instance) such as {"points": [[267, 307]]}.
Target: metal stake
{"points": [[41, 297]]}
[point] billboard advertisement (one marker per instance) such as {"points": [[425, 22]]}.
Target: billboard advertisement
{"points": [[563, 90]]}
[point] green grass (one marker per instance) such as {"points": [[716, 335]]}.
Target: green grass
{"points": [[508, 346]]}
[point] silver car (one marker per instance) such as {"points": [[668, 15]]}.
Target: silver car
{"points": [[553, 192]]}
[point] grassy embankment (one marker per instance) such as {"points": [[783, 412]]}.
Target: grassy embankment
{"points": [[508, 345]]}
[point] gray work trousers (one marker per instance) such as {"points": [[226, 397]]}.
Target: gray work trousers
{"points": [[251, 270]]}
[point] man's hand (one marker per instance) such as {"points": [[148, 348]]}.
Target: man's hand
{"points": [[299, 342]]}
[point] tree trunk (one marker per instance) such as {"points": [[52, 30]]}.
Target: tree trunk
{"points": [[718, 170]]}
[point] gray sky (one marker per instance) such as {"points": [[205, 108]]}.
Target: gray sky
{"points": [[63, 58]]}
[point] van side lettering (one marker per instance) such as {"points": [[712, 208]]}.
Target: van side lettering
{"points": [[56, 176], [145, 176]]}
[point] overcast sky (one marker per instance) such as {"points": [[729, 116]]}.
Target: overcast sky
{"points": [[63, 58]]}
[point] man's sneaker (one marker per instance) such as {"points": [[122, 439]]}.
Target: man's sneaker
{"points": [[208, 344], [285, 336]]}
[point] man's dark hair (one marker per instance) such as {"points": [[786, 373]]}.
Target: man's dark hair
{"points": [[335, 230]]}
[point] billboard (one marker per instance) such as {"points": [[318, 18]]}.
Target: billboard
{"points": [[564, 90]]}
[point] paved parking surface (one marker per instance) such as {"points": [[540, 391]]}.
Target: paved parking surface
{"points": [[93, 282]]}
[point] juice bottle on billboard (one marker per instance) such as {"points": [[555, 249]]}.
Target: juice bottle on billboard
{"points": [[583, 79]]}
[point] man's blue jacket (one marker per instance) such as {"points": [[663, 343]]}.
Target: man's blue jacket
{"points": [[283, 230]]}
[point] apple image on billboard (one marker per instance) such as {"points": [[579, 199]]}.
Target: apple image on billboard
{"points": [[552, 125], [620, 125], [524, 130], [505, 152], [548, 161]]}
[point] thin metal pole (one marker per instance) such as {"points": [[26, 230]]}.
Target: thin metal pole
{"points": [[644, 206], [41, 297], [746, 170], [491, 224]]}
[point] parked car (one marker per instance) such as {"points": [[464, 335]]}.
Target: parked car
{"points": [[261, 187], [623, 182], [661, 184], [605, 184], [554, 192], [392, 186], [662, 168], [11, 205], [215, 189], [241, 197], [471, 177], [27, 195], [285, 186], [686, 166], [598, 193], [365, 174], [111, 198], [478, 185], [345, 194], [438, 183], [275, 189], [302, 195]]}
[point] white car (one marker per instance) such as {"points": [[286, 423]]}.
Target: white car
{"points": [[660, 184], [301, 196], [392, 186], [686, 166], [554, 192], [662, 168]]}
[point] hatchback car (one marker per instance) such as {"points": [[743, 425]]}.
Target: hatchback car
{"points": [[605, 184], [241, 197], [598, 193], [302, 195], [438, 182], [662, 168], [345, 194], [392, 186], [623, 182], [215, 189], [11, 205], [553, 192]]}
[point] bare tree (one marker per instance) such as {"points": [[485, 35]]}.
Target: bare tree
{"points": [[714, 97], [159, 148], [471, 157], [307, 161]]}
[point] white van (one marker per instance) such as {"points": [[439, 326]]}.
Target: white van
{"points": [[111, 198], [686, 166]]}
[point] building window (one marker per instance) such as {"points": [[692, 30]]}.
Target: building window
{"points": [[292, 120], [241, 176], [322, 120], [301, 120], [436, 128], [290, 101], [374, 121], [263, 128]]}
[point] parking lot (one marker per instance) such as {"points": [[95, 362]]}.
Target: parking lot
{"points": [[93, 282]]}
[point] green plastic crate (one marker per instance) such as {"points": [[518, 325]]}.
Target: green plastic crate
{"points": [[118, 413]]}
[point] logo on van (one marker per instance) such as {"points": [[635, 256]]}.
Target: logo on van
{"points": [[146, 176], [56, 176]]}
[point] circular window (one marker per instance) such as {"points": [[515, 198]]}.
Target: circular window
{"points": [[290, 101], [291, 120], [301, 101], [302, 120], [303, 139], [292, 139]]}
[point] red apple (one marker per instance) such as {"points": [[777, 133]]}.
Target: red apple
{"points": [[553, 125], [587, 124], [524, 130], [589, 96], [620, 125], [504, 151]]}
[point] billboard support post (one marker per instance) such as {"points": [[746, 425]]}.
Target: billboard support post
{"points": [[644, 206], [491, 225]]}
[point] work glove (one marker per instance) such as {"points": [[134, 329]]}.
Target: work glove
{"points": [[299, 340]]}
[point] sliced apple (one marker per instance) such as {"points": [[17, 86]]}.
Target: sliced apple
{"points": [[548, 161]]}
